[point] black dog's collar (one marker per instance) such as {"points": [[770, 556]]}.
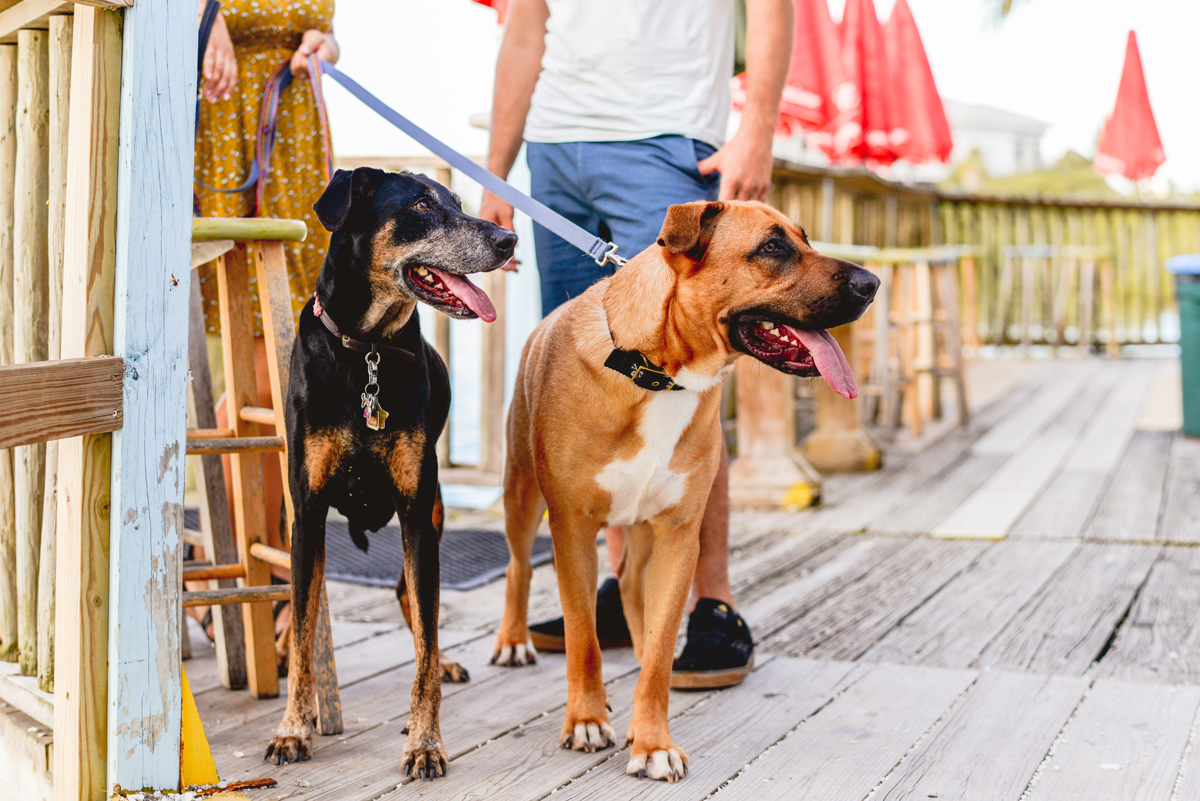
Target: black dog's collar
{"points": [[354, 344], [637, 368]]}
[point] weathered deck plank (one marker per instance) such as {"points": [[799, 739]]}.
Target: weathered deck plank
{"points": [[1160, 639], [844, 750], [1131, 505], [954, 626], [1010, 435], [991, 743], [1125, 743], [1064, 628], [1181, 509], [849, 622], [782, 693], [919, 511]]}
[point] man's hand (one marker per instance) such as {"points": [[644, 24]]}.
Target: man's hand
{"points": [[220, 64], [314, 41], [745, 166], [495, 210]]}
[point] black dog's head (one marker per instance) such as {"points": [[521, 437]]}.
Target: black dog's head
{"points": [[411, 236]]}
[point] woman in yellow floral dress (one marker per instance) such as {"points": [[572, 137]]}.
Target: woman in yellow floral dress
{"points": [[249, 40]]}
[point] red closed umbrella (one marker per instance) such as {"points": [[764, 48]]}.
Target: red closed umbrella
{"points": [[816, 95], [864, 59], [920, 131], [1129, 143]]}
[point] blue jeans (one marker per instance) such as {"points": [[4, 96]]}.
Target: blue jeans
{"points": [[619, 191]]}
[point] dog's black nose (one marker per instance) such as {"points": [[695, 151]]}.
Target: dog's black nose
{"points": [[504, 242], [864, 284]]}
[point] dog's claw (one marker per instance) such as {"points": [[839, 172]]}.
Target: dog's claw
{"points": [[668, 765], [454, 672], [286, 749], [514, 654], [425, 763], [589, 736]]}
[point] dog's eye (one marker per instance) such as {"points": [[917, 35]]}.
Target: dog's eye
{"points": [[421, 205], [770, 247]]}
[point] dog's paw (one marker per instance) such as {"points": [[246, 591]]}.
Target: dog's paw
{"points": [[452, 671], [509, 654], [588, 735], [666, 764], [425, 762], [289, 747]]}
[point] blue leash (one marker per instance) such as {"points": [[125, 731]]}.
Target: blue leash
{"points": [[600, 250]]}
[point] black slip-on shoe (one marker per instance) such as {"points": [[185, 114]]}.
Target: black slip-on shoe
{"points": [[719, 651], [611, 629]]}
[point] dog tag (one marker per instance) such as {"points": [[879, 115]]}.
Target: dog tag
{"points": [[375, 421]]}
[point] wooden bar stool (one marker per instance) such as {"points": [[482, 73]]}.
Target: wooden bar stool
{"points": [[247, 657]]}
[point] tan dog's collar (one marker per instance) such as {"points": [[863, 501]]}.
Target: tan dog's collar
{"points": [[637, 368]]}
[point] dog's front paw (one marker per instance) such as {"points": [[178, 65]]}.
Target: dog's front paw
{"points": [[422, 762], [665, 764], [588, 735], [290, 745], [452, 671], [514, 654]]}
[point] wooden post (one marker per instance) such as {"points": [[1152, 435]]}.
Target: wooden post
{"points": [[214, 502], [60, 93], [1111, 348], [768, 472], [8, 515], [31, 289], [970, 303], [491, 429], [839, 443], [153, 264], [249, 517], [89, 267]]}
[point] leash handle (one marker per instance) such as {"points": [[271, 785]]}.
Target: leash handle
{"points": [[602, 251]]}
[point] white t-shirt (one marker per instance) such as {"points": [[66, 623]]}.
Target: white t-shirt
{"points": [[619, 70]]}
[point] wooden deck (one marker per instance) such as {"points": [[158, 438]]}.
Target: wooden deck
{"points": [[1006, 611]]}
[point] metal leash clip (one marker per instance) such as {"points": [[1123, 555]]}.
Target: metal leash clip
{"points": [[610, 257], [373, 413]]}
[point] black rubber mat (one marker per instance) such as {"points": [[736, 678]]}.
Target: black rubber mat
{"points": [[469, 557]]}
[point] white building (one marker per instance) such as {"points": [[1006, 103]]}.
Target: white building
{"points": [[1008, 142]]}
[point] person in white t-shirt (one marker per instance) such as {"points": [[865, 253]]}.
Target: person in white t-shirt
{"points": [[623, 105]]}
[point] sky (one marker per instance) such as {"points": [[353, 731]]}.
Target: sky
{"points": [[1058, 61]]}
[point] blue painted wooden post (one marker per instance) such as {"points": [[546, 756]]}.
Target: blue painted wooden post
{"points": [[154, 198]]}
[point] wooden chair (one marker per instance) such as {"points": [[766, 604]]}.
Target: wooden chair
{"points": [[246, 646]]}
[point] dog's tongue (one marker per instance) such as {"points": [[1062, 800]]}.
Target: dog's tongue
{"points": [[830, 361], [475, 298]]}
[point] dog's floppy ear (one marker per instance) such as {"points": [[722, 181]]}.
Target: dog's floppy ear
{"points": [[686, 225], [344, 191]]}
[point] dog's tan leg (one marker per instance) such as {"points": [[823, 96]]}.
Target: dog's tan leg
{"points": [[671, 567], [585, 725], [293, 738], [523, 508], [639, 544]]}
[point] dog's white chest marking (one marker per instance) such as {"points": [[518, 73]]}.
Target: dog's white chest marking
{"points": [[644, 486]]}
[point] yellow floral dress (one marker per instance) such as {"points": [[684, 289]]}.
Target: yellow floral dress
{"points": [[265, 34]]}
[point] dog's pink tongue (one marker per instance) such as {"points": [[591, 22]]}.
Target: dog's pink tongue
{"points": [[475, 298], [830, 361]]}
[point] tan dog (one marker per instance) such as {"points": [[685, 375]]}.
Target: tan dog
{"points": [[600, 447]]}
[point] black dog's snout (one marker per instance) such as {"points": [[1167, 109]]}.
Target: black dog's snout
{"points": [[504, 242], [864, 284]]}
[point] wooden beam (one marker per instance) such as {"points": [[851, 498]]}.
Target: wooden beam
{"points": [[37, 14], [44, 401], [8, 515], [60, 94], [31, 284], [89, 259], [154, 234], [238, 595], [241, 229], [197, 447]]}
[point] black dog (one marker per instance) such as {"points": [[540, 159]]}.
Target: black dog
{"points": [[367, 401]]}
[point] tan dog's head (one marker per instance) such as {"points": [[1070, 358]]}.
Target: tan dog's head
{"points": [[745, 268]]}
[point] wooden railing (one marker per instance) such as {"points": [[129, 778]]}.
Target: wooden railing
{"points": [[93, 336]]}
